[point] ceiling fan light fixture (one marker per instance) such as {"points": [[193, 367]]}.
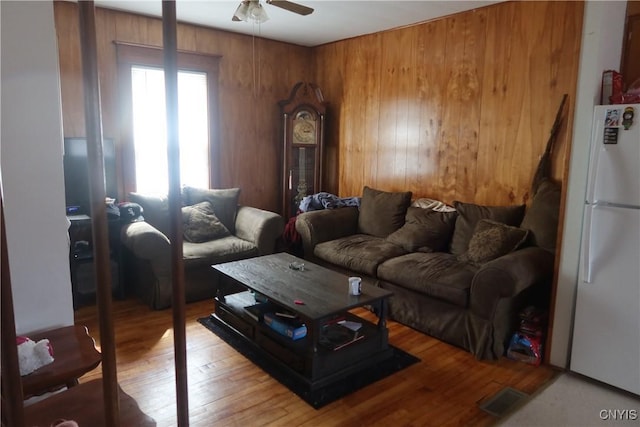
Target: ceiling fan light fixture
{"points": [[258, 14], [250, 11], [241, 11]]}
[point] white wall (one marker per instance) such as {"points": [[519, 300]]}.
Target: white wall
{"points": [[602, 34], [31, 161]]}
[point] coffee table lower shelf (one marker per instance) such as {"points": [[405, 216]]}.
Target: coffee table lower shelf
{"points": [[315, 368]]}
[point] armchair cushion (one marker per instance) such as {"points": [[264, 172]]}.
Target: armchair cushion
{"points": [[200, 223], [382, 212], [225, 249], [145, 241], [155, 210], [223, 201]]}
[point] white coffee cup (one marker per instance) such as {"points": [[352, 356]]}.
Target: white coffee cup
{"points": [[354, 285]]}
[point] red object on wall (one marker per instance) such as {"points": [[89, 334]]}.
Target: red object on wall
{"points": [[611, 86]]}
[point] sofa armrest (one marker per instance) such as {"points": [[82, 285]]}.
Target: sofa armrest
{"points": [[328, 224], [145, 241], [507, 277], [260, 227]]}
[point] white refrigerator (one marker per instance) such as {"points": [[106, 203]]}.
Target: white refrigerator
{"points": [[606, 330]]}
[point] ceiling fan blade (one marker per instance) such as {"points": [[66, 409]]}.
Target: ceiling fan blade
{"points": [[291, 6]]}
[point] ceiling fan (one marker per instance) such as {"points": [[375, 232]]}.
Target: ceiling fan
{"points": [[251, 10]]}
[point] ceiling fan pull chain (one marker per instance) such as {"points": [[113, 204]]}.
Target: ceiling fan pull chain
{"points": [[256, 85], [253, 59], [259, 56]]}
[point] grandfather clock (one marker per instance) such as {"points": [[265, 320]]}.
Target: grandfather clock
{"points": [[303, 115]]}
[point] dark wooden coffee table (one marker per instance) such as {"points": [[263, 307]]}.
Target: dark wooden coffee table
{"points": [[324, 296]]}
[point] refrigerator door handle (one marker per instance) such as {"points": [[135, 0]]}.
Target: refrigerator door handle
{"points": [[586, 249], [614, 205]]}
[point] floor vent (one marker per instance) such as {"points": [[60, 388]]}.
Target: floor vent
{"points": [[503, 401]]}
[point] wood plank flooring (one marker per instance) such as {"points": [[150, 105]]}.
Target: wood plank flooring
{"points": [[226, 389]]}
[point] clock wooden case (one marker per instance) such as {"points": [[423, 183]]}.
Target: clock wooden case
{"points": [[303, 117]]}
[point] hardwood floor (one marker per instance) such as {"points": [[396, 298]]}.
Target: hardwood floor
{"points": [[226, 389]]}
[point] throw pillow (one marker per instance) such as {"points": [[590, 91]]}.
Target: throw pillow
{"points": [[155, 208], [223, 201], [382, 212], [424, 230], [200, 224], [468, 216], [541, 218], [491, 240]]}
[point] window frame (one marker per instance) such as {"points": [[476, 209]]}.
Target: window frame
{"points": [[129, 55]]}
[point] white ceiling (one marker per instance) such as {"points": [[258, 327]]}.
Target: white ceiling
{"points": [[332, 19]]}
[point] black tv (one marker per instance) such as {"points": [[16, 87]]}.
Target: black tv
{"points": [[76, 174]]}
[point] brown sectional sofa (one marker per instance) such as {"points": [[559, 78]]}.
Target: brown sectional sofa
{"points": [[459, 276]]}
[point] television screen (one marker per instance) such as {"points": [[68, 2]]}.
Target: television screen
{"points": [[76, 174]]}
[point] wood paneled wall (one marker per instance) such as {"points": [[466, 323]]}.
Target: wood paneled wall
{"points": [[630, 66], [249, 117], [458, 108]]}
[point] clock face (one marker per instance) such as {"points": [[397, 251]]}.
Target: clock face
{"points": [[304, 128]]}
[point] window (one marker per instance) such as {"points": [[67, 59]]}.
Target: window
{"points": [[150, 129], [144, 150]]}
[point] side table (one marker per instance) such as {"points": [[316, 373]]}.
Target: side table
{"points": [[74, 354], [83, 276]]}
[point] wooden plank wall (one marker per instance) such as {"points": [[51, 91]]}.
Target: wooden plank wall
{"points": [[458, 108], [630, 66], [250, 141]]}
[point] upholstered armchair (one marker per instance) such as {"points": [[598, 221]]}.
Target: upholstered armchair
{"points": [[215, 230]]}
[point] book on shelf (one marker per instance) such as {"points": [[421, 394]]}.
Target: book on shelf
{"points": [[292, 328], [257, 311], [351, 325], [335, 336], [281, 312]]}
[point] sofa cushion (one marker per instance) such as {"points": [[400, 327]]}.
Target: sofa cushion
{"points": [[360, 253], [225, 249], [541, 218], [438, 275], [491, 240], [155, 210], [224, 202], [468, 216], [424, 230], [200, 223], [382, 212]]}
